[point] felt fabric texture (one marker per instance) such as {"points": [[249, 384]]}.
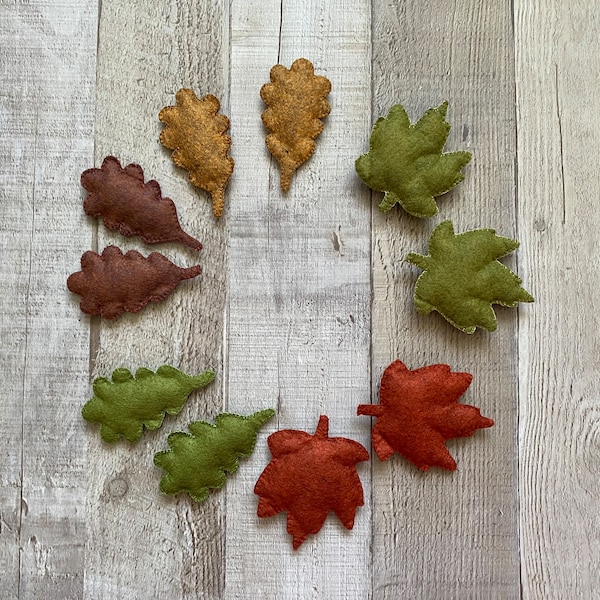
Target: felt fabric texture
{"points": [[309, 476], [112, 283], [125, 203], [418, 411], [127, 404], [296, 104], [199, 461], [197, 134], [406, 161], [462, 277]]}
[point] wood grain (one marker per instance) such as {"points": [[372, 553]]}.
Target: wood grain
{"points": [[558, 77], [142, 544], [304, 298], [299, 314], [47, 60], [438, 534]]}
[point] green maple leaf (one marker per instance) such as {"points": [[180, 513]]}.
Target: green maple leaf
{"points": [[127, 404], [462, 277], [406, 161], [199, 461]]}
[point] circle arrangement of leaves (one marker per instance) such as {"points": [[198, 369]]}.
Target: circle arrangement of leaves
{"points": [[418, 409]]}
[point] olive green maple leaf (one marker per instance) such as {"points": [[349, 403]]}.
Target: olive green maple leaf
{"points": [[406, 161], [462, 277]]}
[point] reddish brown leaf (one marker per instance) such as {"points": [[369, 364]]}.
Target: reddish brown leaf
{"points": [[127, 204], [309, 476], [419, 411], [113, 282]]}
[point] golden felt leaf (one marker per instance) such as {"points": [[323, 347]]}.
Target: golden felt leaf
{"points": [[296, 104], [197, 134]]}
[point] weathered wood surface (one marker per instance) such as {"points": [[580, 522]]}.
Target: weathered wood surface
{"points": [[465, 522], [141, 544], [299, 298], [304, 298], [47, 63], [558, 77]]}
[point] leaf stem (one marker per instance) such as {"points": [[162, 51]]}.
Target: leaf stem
{"points": [[322, 430]]}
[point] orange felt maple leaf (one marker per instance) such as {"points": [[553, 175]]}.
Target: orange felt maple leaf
{"points": [[309, 476], [419, 411]]}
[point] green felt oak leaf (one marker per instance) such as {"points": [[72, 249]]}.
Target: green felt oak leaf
{"points": [[199, 460], [126, 404], [462, 277], [406, 161]]}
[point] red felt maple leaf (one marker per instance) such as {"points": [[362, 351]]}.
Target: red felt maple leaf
{"points": [[309, 476], [419, 411]]}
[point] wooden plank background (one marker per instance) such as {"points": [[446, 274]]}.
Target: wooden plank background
{"points": [[304, 299]]}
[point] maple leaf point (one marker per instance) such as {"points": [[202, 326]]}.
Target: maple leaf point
{"points": [[419, 411], [407, 163], [309, 476], [462, 277]]}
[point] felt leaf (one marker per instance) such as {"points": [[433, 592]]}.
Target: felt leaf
{"points": [[406, 161], [125, 203], [197, 134], [309, 476], [296, 104], [127, 404], [418, 411], [199, 460], [112, 283], [462, 277]]}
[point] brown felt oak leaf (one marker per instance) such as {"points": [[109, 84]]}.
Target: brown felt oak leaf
{"points": [[197, 134], [309, 476], [419, 411], [125, 203], [112, 283], [296, 104]]}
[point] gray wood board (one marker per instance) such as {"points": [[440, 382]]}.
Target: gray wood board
{"points": [[304, 298], [46, 138], [299, 303], [558, 77], [448, 535], [142, 544]]}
